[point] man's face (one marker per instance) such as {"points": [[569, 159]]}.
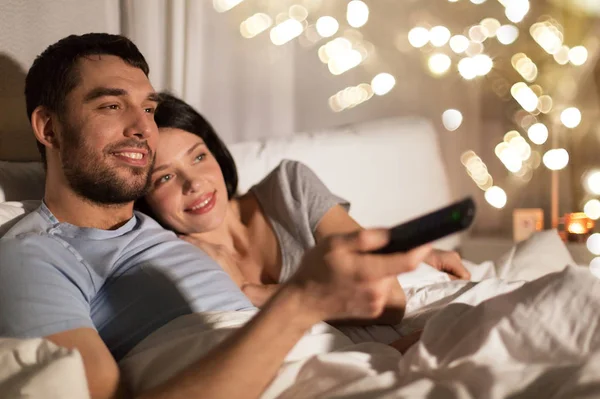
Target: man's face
{"points": [[107, 134]]}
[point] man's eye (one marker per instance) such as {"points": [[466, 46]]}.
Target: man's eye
{"points": [[111, 106], [149, 110]]}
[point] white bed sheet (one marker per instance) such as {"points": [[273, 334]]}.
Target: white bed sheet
{"points": [[487, 339]]}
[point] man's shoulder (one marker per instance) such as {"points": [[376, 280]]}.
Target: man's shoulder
{"points": [[32, 223], [29, 236]]}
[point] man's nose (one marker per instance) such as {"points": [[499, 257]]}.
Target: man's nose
{"points": [[142, 125]]}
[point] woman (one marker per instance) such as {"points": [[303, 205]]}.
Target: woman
{"points": [[258, 237]]}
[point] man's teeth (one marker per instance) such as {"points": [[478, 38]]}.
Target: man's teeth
{"points": [[203, 203], [132, 155]]}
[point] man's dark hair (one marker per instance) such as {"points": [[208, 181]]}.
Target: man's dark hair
{"points": [[54, 72], [177, 114]]}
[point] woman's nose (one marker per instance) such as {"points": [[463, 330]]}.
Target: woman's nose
{"points": [[192, 185]]}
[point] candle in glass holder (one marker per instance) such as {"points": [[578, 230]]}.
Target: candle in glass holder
{"points": [[578, 226]]}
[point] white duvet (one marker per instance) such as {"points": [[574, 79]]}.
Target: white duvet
{"points": [[539, 339]]}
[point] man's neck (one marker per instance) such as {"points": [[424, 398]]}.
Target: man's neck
{"points": [[68, 207]]}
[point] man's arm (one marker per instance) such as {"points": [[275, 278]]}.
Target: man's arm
{"points": [[241, 358], [101, 370], [338, 221], [337, 280]]}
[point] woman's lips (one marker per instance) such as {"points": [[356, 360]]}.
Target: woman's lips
{"points": [[203, 204]]}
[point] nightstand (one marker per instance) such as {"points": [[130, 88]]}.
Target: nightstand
{"points": [[480, 249]]}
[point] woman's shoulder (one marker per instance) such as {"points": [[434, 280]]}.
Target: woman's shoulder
{"points": [[289, 178], [294, 170]]}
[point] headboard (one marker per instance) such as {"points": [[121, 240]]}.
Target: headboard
{"points": [[390, 170]]}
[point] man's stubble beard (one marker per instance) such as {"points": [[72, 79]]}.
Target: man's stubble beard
{"points": [[91, 176]]}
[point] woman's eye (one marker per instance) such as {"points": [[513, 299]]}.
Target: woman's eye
{"points": [[200, 157], [164, 179]]}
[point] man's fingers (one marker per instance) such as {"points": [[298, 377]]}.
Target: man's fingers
{"points": [[367, 240], [379, 266]]}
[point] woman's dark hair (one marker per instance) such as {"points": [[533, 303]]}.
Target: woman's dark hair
{"points": [[177, 114]]}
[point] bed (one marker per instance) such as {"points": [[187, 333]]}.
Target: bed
{"points": [[490, 337]]}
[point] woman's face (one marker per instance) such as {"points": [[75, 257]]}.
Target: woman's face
{"points": [[188, 192]]}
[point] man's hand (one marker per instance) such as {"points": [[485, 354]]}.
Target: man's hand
{"points": [[340, 279], [448, 262]]}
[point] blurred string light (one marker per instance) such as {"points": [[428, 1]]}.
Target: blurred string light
{"points": [[286, 31], [357, 13], [459, 44], [327, 26], [225, 5], [578, 55], [478, 1], [298, 12], [548, 34], [255, 25], [515, 10], [496, 197], [382, 83], [474, 49], [593, 243], [513, 151], [340, 55], [591, 181], [478, 33], [472, 67], [477, 170], [592, 209], [350, 97], [418, 36], [545, 104], [439, 63], [452, 119], [595, 267], [524, 66], [491, 25], [562, 55], [525, 96], [571, 117], [538, 133], [556, 159], [507, 34], [439, 36]]}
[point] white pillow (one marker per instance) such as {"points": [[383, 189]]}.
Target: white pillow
{"points": [[21, 181], [541, 254], [36, 368], [12, 212]]}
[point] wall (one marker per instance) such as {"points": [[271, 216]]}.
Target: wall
{"points": [[27, 27]]}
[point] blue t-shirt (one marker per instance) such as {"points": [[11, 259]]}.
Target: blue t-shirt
{"points": [[125, 283]]}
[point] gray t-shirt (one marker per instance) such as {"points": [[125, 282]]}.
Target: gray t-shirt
{"points": [[294, 201], [125, 283]]}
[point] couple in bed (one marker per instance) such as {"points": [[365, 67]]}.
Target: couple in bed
{"points": [[87, 272]]}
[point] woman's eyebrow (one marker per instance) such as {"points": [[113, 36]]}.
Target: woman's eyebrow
{"points": [[188, 152]]}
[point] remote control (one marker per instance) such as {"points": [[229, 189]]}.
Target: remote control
{"points": [[430, 227]]}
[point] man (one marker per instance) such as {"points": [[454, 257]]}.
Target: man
{"points": [[85, 272]]}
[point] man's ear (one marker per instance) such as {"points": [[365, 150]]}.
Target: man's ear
{"points": [[42, 122]]}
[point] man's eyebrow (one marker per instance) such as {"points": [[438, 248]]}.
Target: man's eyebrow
{"points": [[153, 97], [99, 92], [188, 152]]}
